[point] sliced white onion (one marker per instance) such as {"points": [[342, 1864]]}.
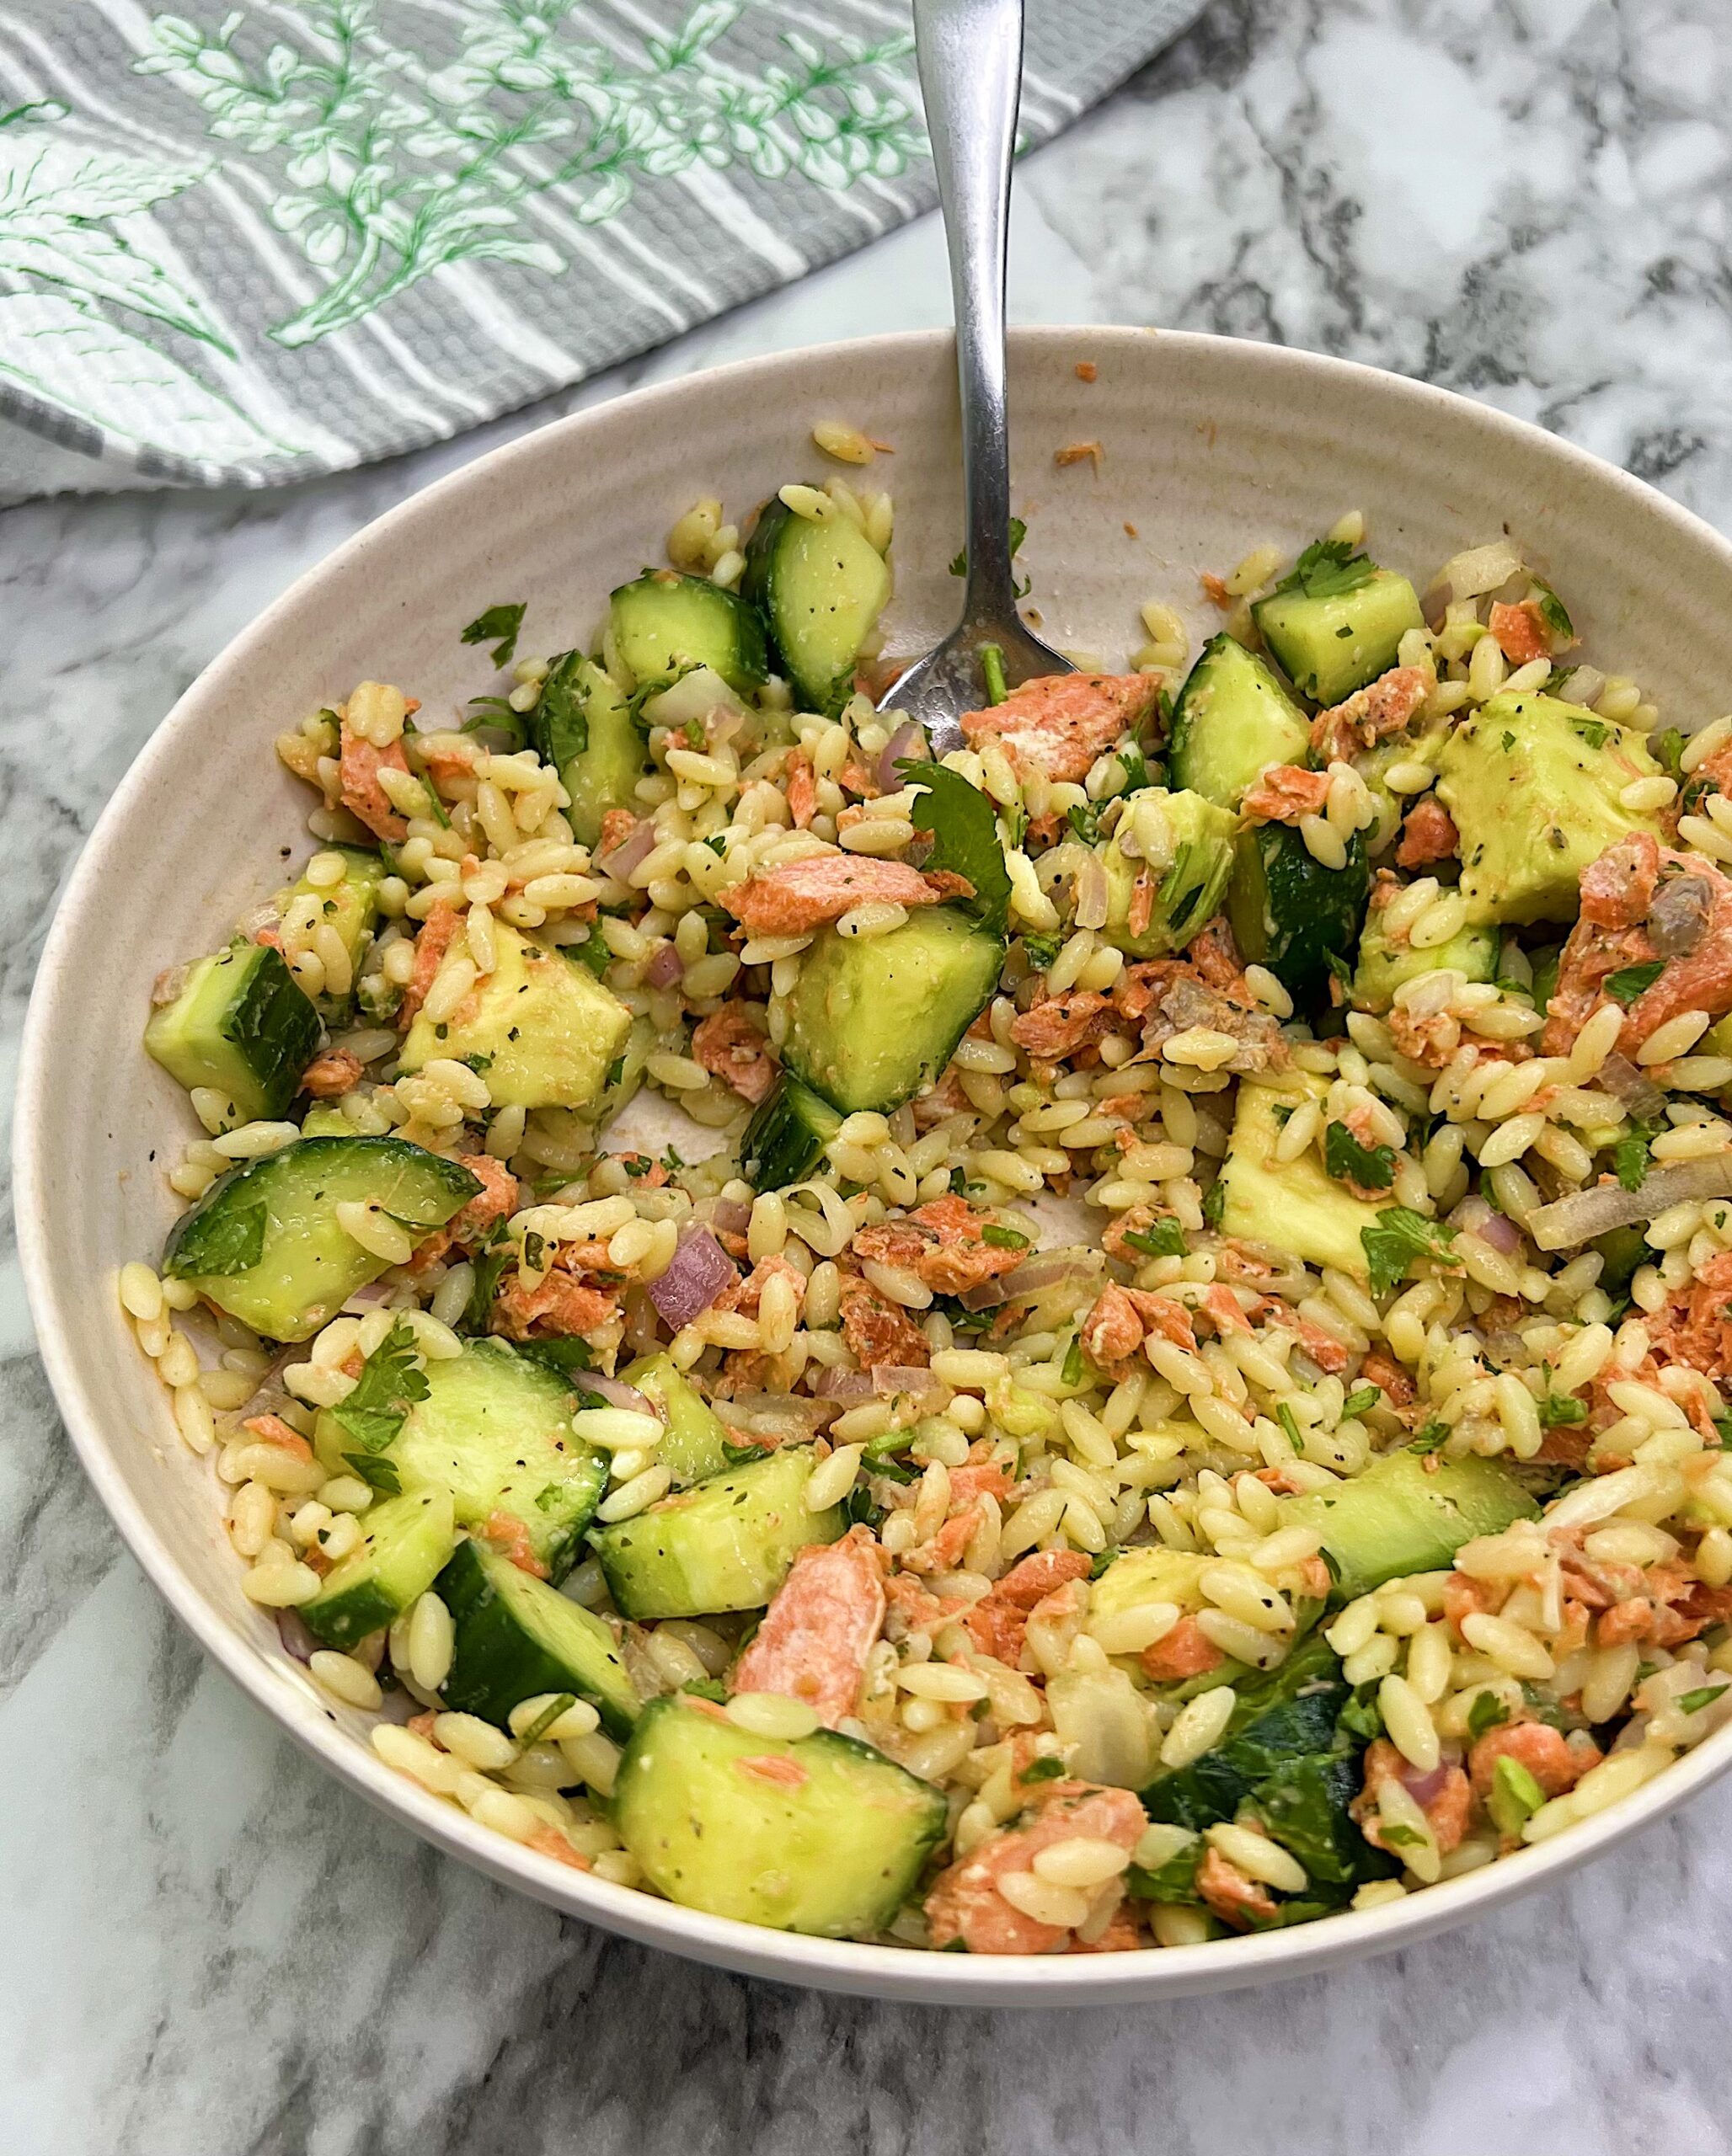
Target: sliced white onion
{"points": [[1479, 569], [1585, 1213], [697, 695]]}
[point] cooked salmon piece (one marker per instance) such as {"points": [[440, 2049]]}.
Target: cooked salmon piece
{"points": [[944, 1245], [328, 1077], [964, 1902], [1285, 794], [495, 1200], [358, 772], [1428, 834], [1382, 706], [438, 931], [821, 1625], [798, 896], [1642, 902], [998, 1622], [878, 1331], [1186, 1652], [1535, 1745], [1520, 632], [728, 1045], [1058, 723]]}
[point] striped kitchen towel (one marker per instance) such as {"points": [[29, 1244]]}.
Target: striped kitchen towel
{"points": [[249, 244]]}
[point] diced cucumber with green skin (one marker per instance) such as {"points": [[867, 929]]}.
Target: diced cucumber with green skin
{"points": [[788, 1136], [351, 907], [696, 1446], [873, 1018], [1329, 648], [518, 1638], [495, 1430], [665, 621], [821, 587], [1406, 1513], [1384, 966], [726, 1544], [1284, 1714], [1289, 913], [262, 1243], [1294, 1204], [407, 1540], [1234, 719], [1190, 868], [548, 1029], [1534, 785], [583, 727], [242, 1024], [817, 1835]]}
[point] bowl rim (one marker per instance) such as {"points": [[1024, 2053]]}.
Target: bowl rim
{"points": [[839, 1966]]}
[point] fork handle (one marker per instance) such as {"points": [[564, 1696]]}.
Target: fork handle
{"points": [[970, 58]]}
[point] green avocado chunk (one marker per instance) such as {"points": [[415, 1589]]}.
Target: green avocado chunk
{"points": [[1534, 784], [1186, 845]]}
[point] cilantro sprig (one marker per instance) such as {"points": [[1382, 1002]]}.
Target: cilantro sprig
{"points": [[1329, 568], [390, 1384], [1632, 1153], [964, 834], [500, 626], [1400, 1236], [1372, 1167], [1630, 982]]}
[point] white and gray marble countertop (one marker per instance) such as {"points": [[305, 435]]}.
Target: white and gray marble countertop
{"points": [[209, 1949]]}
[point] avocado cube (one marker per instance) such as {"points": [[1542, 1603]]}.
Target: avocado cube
{"points": [[548, 1029], [1533, 785], [1291, 1203], [1383, 966], [1184, 844]]}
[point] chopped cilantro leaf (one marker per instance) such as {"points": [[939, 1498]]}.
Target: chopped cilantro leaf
{"points": [[1048, 1768], [1561, 1411], [1486, 1712], [592, 954], [1431, 1438], [390, 1383], [1358, 1402], [1669, 751], [1552, 612], [1084, 820], [1631, 1155], [1135, 768], [377, 1474], [562, 718], [1372, 1167], [1329, 568], [965, 832], [1629, 982], [1399, 1237], [1040, 951], [1594, 731], [504, 624], [1160, 1238], [1214, 1204], [1019, 532]]}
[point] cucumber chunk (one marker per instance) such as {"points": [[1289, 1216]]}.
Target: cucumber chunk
{"points": [[817, 1835], [495, 1430], [1398, 1518], [517, 1637], [262, 1243], [584, 728], [1292, 915], [788, 1136], [1234, 719], [726, 1544], [1294, 1204], [242, 1024], [696, 1446], [665, 621], [548, 1029], [408, 1540], [1328, 646], [873, 1018], [821, 587]]}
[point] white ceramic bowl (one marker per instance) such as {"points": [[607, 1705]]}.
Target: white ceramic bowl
{"points": [[1207, 447]]}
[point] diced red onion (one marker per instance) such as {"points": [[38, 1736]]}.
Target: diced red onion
{"points": [[1033, 1277], [1091, 895], [850, 1385], [619, 1394], [372, 1296], [297, 1641], [1585, 1213], [263, 916], [731, 1216], [622, 859], [666, 968], [908, 740], [906, 1380], [698, 1273], [793, 1410], [1488, 1223], [1424, 1788], [1627, 1082]]}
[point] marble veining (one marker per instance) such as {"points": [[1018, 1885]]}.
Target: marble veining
{"points": [[212, 1949]]}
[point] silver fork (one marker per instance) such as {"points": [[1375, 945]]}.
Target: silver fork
{"points": [[971, 57]]}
